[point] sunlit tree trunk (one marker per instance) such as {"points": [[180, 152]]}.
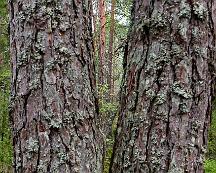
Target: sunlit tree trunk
{"points": [[54, 109], [95, 29], [102, 40], [111, 44], [167, 90]]}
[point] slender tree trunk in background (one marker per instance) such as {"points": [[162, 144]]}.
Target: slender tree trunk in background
{"points": [[102, 40], [111, 44], [54, 110], [95, 32], [167, 91]]}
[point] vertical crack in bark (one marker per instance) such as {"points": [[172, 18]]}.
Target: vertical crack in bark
{"points": [[39, 146], [67, 151], [147, 147], [51, 152]]}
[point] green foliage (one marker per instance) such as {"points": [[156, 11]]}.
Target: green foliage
{"points": [[210, 166], [5, 133], [108, 110], [109, 150], [210, 163], [106, 105], [3, 31], [212, 138]]}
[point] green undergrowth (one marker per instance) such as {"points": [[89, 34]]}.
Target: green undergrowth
{"points": [[5, 132], [210, 166], [210, 163]]}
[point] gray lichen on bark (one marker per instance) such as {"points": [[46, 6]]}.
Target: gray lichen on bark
{"points": [[54, 109], [167, 88]]}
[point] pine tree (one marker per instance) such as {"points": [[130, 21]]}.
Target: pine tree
{"points": [[167, 90], [54, 107]]}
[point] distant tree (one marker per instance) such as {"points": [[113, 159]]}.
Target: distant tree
{"points": [[102, 40], [167, 90], [54, 109], [111, 49]]}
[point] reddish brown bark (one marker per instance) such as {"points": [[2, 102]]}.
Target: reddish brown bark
{"points": [[111, 44], [102, 40], [54, 107], [167, 90], [94, 20]]}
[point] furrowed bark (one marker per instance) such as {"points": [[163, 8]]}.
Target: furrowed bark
{"points": [[167, 90], [54, 107]]}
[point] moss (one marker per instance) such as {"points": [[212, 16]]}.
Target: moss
{"points": [[41, 168], [158, 21], [54, 24], [196, 33], [200, 52], [176, 50], [56, 123], [183, 107], [37, 56], [143, 26], [64, 26], [41, 43], [34, 83], [185, 9], [49, 11], [150, 93], [32, 147], [63, 157], [177, 89], [18, 163], [68, 117], [199, 10], [50, 65], [64, 50], [176, 170], [182, 30], [22, 59], [196, 124], [160, 99]]}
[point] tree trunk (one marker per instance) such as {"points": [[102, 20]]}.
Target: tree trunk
{"points": [[54, 109], [167, 90], [111, 43], [94, 20], [102, 40]]}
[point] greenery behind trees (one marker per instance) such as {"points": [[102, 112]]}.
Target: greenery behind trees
{"points": [[5, 133], [121, 27], [210, 163]]}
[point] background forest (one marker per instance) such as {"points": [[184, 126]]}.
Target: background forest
{"points": [[110, 23]]}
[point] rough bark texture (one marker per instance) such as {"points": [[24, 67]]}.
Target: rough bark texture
{"points": [[102, 40], [167, 91], [111, 44], [54, 108]]}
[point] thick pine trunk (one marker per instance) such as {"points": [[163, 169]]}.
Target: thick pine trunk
{"points": [[167, 91], [102, 41], [54, 109]]}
